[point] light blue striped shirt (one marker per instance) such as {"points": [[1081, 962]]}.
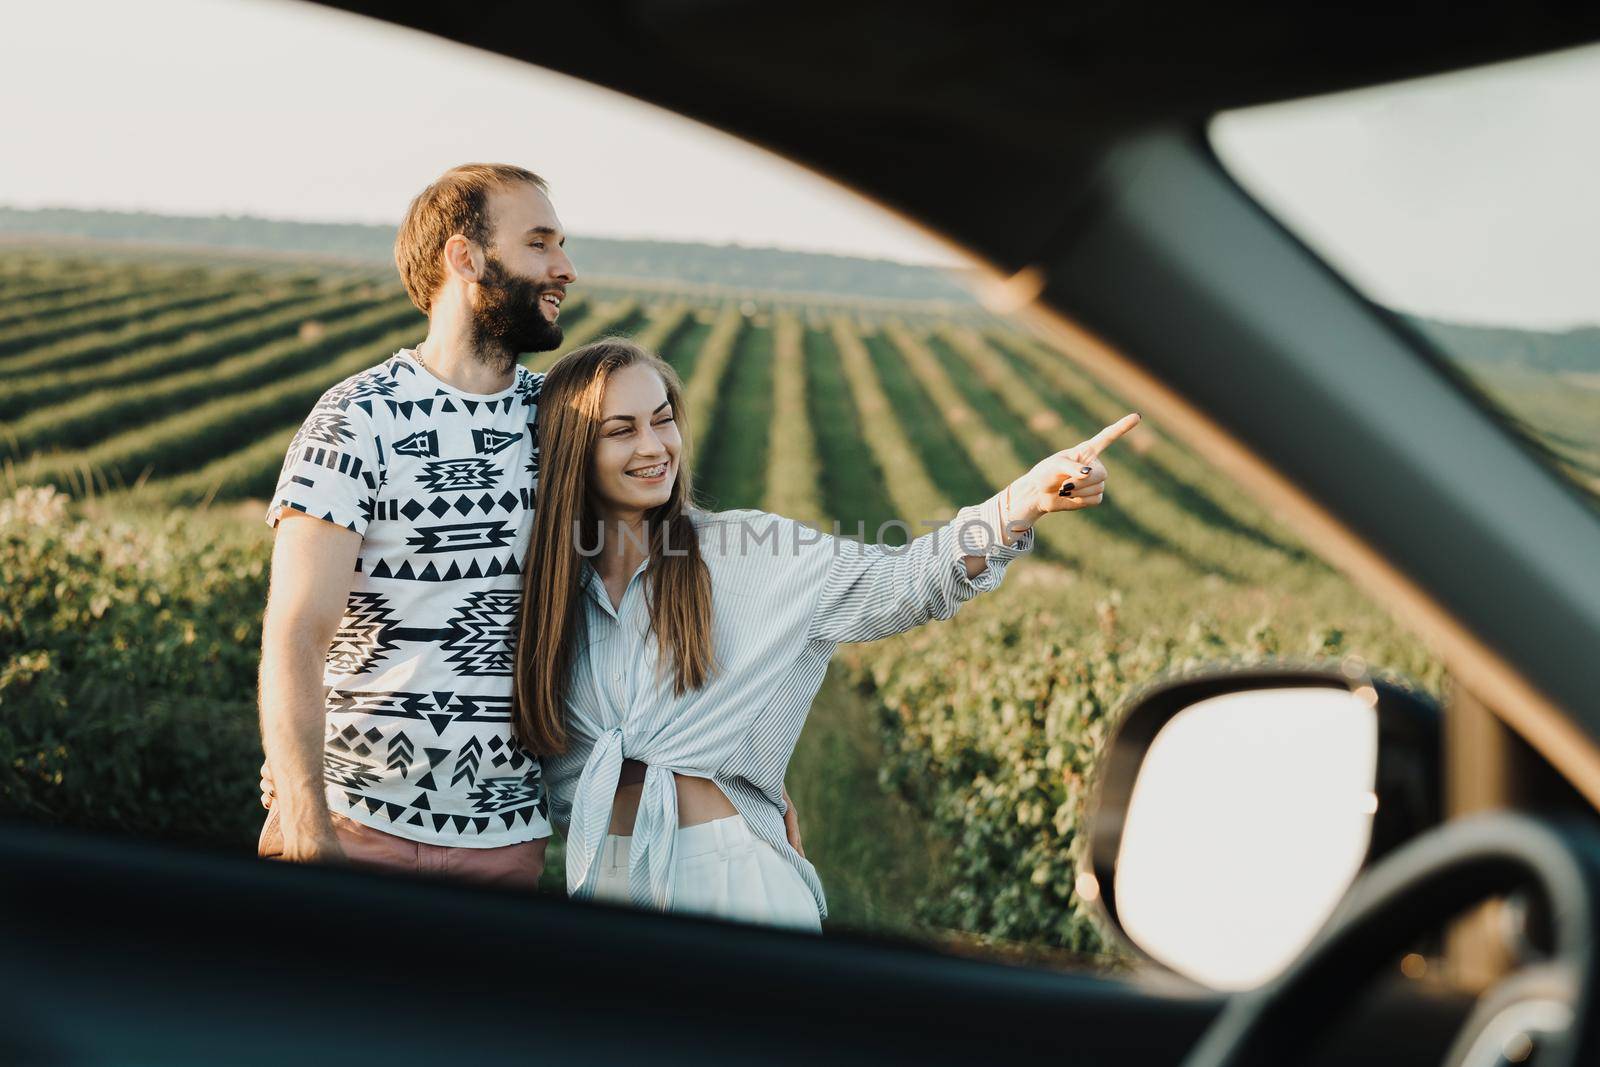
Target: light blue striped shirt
{"points": [[783, 597]]}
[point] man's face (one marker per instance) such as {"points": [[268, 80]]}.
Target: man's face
{"points": [[526, 273]]}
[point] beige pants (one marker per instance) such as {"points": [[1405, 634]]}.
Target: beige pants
{"points": [[512, 866], [724, 871]]}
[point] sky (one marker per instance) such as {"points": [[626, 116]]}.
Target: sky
{"points": [[1471, 196], [1464, 197], [290, 110]]}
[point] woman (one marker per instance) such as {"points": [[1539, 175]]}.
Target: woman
{"points": [[667, 656]]}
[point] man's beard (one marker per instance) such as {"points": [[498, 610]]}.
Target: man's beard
{"points": [[508, 320]]}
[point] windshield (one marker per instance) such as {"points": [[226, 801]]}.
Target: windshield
{"points": [[1464, 203], [226, 330]]}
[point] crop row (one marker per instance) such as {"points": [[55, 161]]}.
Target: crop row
{"points": [[248, 473], [78, 423], [851, 486], [82, 349], [200, 348], [127, 662], [663, 323], [910, 490], [17, 314], [710, 364], [27, 280], [36, 287], [733, 446], [184, 441], [683, 348], [133, 312], [36, 291], [990, 452], [792, 469]]}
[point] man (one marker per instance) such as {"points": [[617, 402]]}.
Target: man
{"points": [[385, 696], [403, 514]]}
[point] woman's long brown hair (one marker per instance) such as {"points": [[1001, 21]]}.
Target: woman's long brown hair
{"points": [[551, 619]]}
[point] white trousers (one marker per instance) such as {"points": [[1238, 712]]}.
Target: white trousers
{"points": [[724, 871]]}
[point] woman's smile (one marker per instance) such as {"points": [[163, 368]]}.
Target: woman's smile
{"points": [[650, 475]]}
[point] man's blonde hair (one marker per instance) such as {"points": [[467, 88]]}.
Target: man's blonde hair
{"points": [[458, 202]]}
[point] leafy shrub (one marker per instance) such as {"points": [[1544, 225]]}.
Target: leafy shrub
{"points": [[128, 653]]}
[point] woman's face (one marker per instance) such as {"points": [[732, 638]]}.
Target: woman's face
{"points": [[635, 460]]}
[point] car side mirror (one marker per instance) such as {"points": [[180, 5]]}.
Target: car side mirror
{"points": [[1234, 809]]}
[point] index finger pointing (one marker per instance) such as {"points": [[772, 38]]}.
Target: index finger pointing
{"points": [[1103, 440]]}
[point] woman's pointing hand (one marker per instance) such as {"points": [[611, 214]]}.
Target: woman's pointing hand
{"points": [[1069, 480]]}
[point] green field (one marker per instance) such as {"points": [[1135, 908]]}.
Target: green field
{"points": [[147, 408]]}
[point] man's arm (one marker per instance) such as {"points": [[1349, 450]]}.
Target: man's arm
{"points": [[791, 823], [313, 562]]}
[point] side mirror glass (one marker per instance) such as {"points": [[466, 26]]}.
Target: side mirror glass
{"points": [[1235, 811]]}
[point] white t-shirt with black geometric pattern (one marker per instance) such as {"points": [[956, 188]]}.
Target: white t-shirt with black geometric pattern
{"points": [[440, 485]]}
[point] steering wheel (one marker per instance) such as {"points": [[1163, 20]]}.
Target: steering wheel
{"points": [[1410, 892]]}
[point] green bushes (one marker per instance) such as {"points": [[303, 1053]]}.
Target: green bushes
{"points": [[127, 671]]}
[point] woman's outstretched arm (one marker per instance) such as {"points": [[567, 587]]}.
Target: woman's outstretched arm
{"points": [[873, 591]]}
